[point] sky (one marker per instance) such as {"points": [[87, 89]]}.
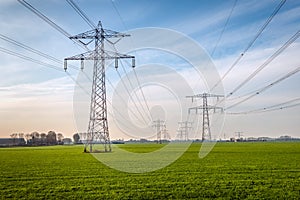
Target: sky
{"points": [[34, 97]]}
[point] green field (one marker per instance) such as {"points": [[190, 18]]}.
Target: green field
{"points": [[230, 171]]}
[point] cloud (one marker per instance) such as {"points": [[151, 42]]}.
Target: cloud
{"points": [[42, 106], [54, 90]]}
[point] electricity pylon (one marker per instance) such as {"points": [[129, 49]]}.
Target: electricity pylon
{"points": [[239, 134], [165, 134], [98, 125], [159, 125], [184, 130], [206, 134]]}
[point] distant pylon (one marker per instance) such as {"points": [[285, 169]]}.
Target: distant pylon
{"points": [[98, 124], [206, 134], [165, 134], [239, 134], [183, 131], [159, 125]]}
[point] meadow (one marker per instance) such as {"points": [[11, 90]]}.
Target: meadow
{"points": [[262, 170]]}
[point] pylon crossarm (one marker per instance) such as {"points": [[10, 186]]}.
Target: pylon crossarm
{"points": [[114, 34], [113, 55], [86, 35], [91, 34], [204, 95], [203, 107], [90, 55]]}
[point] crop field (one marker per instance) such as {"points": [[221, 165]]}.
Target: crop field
{"points": [[231, 171]]}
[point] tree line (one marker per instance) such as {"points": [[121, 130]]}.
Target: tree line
{"points": [[39, 139]]}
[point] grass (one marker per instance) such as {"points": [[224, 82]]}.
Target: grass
{"points": [[142, 147], [230, 171]]}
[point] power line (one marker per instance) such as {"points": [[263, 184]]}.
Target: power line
{"points": [[12, 41], [121, 98], [282, 107], [43, 17], [134, 91], [117, 93], [143, 95], [138, 81], [40, 63], [259, 91], [139, 84], [131, 85], [30, 59], [48, 21], [275, 107], [81, 13], [251, 42], [77, 83], [19, 44], [108, 101], [268, 61], [131, 98], [117, 11], [225, 25], [282, 104], [28, 48]]}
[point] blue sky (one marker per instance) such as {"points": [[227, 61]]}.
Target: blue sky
{"points": [[35, 97]]}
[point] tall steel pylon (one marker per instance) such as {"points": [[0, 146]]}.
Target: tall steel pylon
{"points": [[98, 124], [206, 134]]}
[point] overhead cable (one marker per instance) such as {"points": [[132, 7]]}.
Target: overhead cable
{"points": [[268, 61], [259, 91], [251, 42]]}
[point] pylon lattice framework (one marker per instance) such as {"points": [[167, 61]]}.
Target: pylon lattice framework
{"points": [[98, 124], [206, 133]]}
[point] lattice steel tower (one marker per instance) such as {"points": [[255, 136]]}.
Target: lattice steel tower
{"points": [[160, 125], [206, 134], [183, 131], [98, 124]]}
